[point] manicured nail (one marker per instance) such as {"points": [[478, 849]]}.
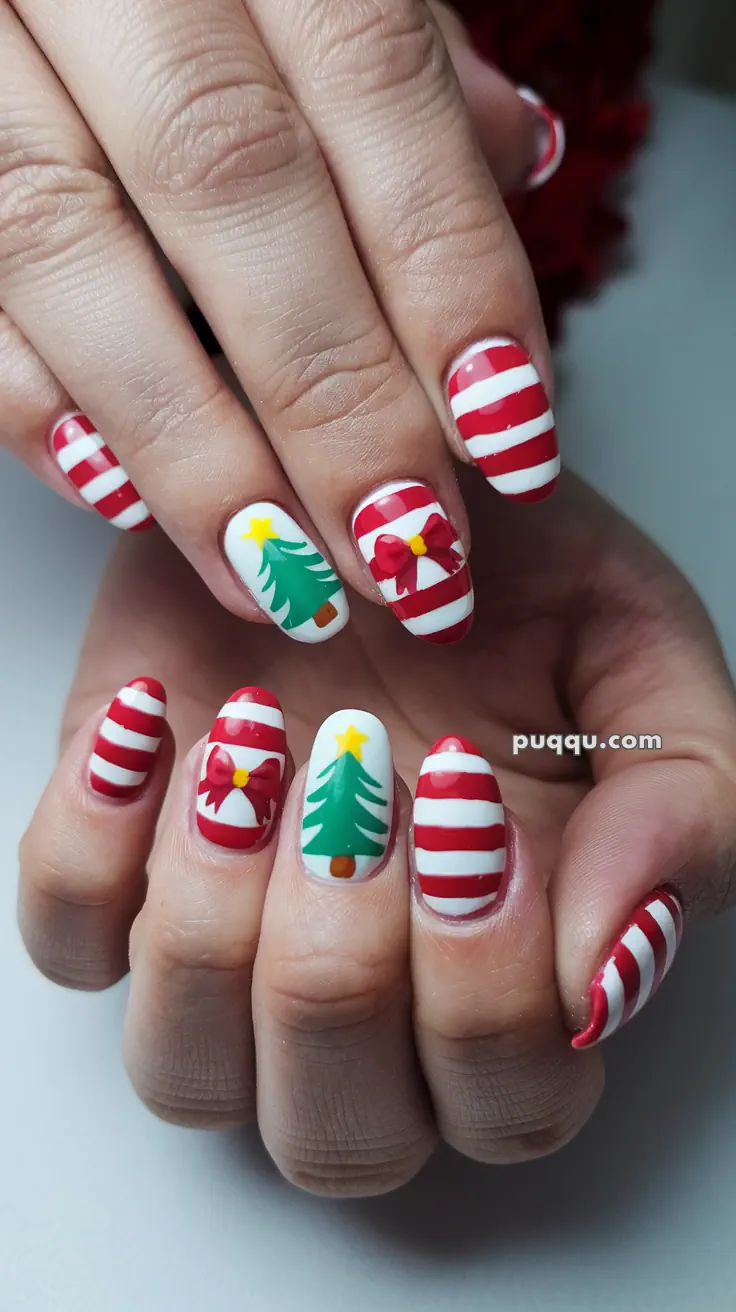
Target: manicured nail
{"points": [[128, 740], [348, 798], [417, 560], [551, 140], [283, 569], [95, 472], [636, 967], [459, 830], [241, 789], [503, 415]]}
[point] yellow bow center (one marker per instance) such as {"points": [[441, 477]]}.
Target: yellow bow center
{"points": [[417, 545], [240, 778]]}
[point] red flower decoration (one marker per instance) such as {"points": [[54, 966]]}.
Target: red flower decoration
{"points": [[396, 559], [261, 786]]}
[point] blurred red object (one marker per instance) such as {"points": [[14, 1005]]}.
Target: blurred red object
{"points": [[585, 57]]}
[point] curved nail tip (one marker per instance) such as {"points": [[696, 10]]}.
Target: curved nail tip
{"points": [[454, 742], [448, 637], [253, 693], [154, 688], [535, 494], [553, 149], [592, 1033]]}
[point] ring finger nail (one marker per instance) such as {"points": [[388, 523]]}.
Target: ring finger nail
{"points": [[282, 568], [128, 739], [417, 560], [502, 413], [459, 830], [348, 798], [240, 793], [95, 472], [636, 966], [551, 139]]}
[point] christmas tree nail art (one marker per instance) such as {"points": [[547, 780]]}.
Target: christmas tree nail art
{"points": [[289, 578], [348, 798]]}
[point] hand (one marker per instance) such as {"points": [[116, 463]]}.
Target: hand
{"points": [[312, 174], [362, 996]]}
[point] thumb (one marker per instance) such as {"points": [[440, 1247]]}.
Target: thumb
{"points": [[521, 138]]}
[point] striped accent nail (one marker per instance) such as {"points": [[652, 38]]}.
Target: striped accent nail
{"points": [[241, 786], [636, 967], [552, 140], [128, 740], [503, 415], [286, 573], [348, 799], [95, 472], [459, 830], [417, 560]]}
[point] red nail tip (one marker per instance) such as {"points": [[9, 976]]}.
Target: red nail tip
{"points": [[417, 559], [636, 966], [128, 740], [93, 469], [552, 149], [240, 791], [502, 413], [459, 830]]}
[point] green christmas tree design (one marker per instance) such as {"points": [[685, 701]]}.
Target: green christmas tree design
{"points": [[341, 814], [306, 582]]}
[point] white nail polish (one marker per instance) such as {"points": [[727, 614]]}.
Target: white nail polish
{"points": [[348, 798], [286, 573]]}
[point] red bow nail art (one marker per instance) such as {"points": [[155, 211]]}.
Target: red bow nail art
{"points": [[396, 558], [261, 786]]}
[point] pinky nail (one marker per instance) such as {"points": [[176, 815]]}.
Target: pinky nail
{"points": [[240, 793], [635, 968], [552, 140], [99, 478], [459, 830], [128, 740]]}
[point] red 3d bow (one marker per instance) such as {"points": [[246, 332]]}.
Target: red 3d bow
{"points": [[261, 786], [396, 559]]}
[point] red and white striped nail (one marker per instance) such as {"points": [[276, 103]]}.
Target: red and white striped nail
{"points": [[552, 140], [96, 473], [417, 560], [636, 966], [128, 739], [503, 415], [240, 793], [459, 830]]}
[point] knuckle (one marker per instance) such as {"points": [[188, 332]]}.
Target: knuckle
{"points": [[195, 944], [209, 141], [462, 234], [48, 210], [327, 992], [380, 47]]}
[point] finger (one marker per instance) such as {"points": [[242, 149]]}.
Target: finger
{"points": [[189, 1033], [340, 1106], [523, 140], [439, 246], [654, 843], [83, 857], [312, 348], [504, 1083], [135, 366]]}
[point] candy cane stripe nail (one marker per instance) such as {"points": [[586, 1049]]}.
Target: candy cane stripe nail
{"points": [[417, 560], [240, 790], [128, 739], [95, 472], [502, 413], [459, 830], [636, 967], [552, 150]]}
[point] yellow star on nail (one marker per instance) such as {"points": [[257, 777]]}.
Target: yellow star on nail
{"points": [[351, 741], [260, 529]]}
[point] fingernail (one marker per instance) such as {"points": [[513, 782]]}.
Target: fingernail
{"points": [[551, 140], [286, 573], [97, 475], [636, 967], [348, 798], [503, 415], [128, 739], [417, 560], [240, 793], [459, 830]]}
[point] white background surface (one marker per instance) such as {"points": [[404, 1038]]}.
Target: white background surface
{"points": [[103, 1209]]}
